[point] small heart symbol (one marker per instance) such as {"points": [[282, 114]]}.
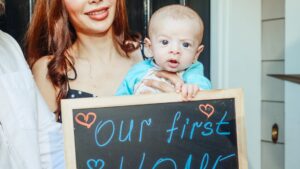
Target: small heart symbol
{"points": [[207, 109], [86, 119], [93, 164]]}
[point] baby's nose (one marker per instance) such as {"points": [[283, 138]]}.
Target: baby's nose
{"points": [[174, 52], [174, 48]]}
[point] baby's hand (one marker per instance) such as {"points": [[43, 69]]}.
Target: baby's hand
{"points": [[178, 86], [189, 91]]}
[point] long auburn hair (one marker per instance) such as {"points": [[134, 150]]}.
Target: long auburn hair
{"points": [[51, 33]]}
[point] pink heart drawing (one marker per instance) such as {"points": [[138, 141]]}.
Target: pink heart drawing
{"points": [[207, 109], [86, 120]]}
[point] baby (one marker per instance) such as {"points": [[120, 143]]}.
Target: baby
{"points": [[175, 36]]}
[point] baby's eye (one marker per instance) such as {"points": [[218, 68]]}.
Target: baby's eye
{"points": [[186, 44], [164, 42]]}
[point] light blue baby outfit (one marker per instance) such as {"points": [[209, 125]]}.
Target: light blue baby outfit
{"points": [[132, 84]]}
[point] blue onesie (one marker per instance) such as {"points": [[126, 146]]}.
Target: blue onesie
{"points": [[132, 84]]}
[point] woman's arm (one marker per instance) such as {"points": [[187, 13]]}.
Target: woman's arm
{"points": [[40, 73]]}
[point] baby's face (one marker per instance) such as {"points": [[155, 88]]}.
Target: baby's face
{"points": [[175, 44]]}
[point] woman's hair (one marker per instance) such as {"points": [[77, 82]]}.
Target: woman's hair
{"points": [[51, 33], [2, 7]]}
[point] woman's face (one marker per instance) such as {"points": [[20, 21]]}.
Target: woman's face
{"points": [[91, 16]]}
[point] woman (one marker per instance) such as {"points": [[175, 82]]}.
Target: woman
{"points": [[80, 48]]}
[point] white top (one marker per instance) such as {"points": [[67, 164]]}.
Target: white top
{"points": [[29, 136]]}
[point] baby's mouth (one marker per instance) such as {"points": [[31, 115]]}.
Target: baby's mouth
{"points": [[173, 63]]}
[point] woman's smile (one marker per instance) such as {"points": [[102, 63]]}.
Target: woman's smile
{"points": [[98, 14]]}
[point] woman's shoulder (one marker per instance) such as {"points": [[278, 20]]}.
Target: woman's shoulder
{"points": [[46, 87], [40, 67]]}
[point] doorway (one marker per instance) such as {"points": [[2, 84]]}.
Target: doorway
{"points": [[16, 18]]}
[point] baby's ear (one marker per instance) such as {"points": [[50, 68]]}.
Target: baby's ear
{"points": [[198, 52], [147, 42], [147, 48]]}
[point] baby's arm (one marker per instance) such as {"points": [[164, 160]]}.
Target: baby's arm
{"points": [[133, 77], [188, 91], [194, 81], [173, 78], [124, 89]]}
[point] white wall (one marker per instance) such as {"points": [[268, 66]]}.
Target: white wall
{"points": [[292, 90], [236, 61]]}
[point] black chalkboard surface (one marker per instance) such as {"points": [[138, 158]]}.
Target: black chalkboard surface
{"points": [[156, 132]]}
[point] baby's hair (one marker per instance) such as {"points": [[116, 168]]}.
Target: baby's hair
{"points": [[177, 12]]}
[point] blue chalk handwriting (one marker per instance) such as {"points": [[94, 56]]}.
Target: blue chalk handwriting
{"points": [[99, 126], [222, 122], [148, 123], [199, 128], [105, 131], [128, 136], [95, 164], [162, 160]]}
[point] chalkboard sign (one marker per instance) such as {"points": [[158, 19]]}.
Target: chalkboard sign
{"points": [[156, 132]]}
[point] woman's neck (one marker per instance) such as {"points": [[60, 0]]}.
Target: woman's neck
{"points": [[92, 47]]}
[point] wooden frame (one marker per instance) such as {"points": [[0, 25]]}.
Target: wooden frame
{"points": [[70, 104]]}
